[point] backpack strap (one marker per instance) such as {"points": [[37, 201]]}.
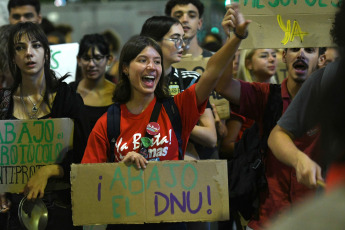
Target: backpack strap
{"points": [[113, 128], [175, 119], [273, 112]]}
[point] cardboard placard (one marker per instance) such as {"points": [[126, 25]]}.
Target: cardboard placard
{"points": [[166, 191], [288, 23], [64, 60], [27, 145]]}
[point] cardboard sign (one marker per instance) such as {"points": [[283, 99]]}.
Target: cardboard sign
{"points": [[288, 23], [64, 60], [166, 191], [27, 145]]}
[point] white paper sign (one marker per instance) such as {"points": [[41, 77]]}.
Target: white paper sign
{"points": [[64, 60], [3, 12]]}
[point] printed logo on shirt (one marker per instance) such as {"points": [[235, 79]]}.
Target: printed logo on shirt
{"points": [[158, 148], [174, 88]]}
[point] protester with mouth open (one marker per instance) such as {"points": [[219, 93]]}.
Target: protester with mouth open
{"points": [[141, 88], [251, 101], [168, 32]]}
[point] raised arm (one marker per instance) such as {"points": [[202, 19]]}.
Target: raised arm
{"points": [[281, 143], [220, 61], [228, 87]]}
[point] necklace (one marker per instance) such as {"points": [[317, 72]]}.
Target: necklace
{"points": [[35, 107]]}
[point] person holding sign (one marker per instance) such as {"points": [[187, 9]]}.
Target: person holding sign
{"points": [[252, 101], [140, 92], [38, 94], [96, 91], [168, 32]]}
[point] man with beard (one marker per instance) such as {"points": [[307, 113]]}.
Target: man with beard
{"points": [[250, 100]]}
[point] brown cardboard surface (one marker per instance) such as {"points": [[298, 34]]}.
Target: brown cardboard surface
{"points": [[314, 17], [26, 145], [265, 31], [167, 191], [266, 7]]}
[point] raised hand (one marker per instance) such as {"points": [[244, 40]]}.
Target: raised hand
{"points": [[233, 19]]}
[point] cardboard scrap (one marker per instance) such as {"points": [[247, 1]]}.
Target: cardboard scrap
{"points": [[287, 24]]}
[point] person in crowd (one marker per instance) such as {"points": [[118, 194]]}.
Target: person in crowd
{"points": [[195, 58], [37, 94], [55, 38], [24, 11], [141, 85], [256, 65], [47, 25], [212, 42], [328, 55], [168, 32], [236, 63], [325, 83], [189, 13], [114, 42], [251, 100], [66, 30], [5, 74], [96, 91], [325, 87]]}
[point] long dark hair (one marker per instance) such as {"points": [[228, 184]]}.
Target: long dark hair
{"points": [[129, 52], [157, 27], [33, 32]]}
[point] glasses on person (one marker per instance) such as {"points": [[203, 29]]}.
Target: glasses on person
{"points": [[96, 59], [178, 42]]}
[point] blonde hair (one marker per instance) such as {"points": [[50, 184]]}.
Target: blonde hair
{"points": [[244, 73]]}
